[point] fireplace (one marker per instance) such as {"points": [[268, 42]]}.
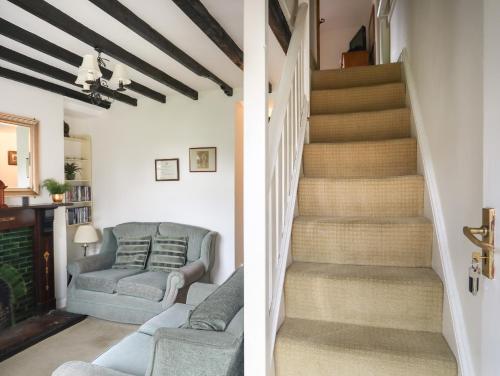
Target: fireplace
{"points": [[27, 279], [26, 262]]}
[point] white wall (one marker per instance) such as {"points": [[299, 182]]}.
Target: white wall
{"points": [[8, 173], [127, 140], [20, 99], [444, 43], [343, 20]]}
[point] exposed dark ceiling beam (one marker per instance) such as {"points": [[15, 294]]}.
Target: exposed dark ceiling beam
{"points": [[59, 74], [61, 20], [124, 15], [197, 12], [34, 41], [279, 24], [45, 85]]}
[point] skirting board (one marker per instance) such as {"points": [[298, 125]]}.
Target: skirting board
{"points": [[458, 323]]}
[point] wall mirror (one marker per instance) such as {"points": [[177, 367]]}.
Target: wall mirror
{"points": [[19, 155]]}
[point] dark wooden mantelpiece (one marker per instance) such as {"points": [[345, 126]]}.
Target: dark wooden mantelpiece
{"points": [[41, 218]]}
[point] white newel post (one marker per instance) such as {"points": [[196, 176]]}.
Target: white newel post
{"points": [[255, 149]]}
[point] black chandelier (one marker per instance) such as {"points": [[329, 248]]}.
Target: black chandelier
{"points": [[90, 78]]}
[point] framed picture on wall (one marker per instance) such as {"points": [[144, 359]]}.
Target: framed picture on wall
{"points": [[167, 169], [203, 159], [12, 157]]}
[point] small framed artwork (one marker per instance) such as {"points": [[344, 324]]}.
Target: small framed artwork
{"points": [[167, 169], [12, 158], [203, 159]]}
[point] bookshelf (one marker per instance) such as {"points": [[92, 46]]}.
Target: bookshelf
{"points": [[78, 150]]}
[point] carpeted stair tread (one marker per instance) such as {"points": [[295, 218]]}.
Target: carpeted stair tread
{"points": [[391, 241], [353, 350], [356, 76], [383, 296], [400, 196], [368, 98], [360, 126], [361, 297], [361, 159]]}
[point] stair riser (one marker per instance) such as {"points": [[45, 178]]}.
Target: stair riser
{"points": [[289, 360], [360, 126], [360, 76], [363, 244], [379, 159], [370, 98], [411, 306], [371, 198]]}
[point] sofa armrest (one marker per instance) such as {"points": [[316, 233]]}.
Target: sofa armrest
{"points": [[183, 277], [207, 251], [199, 291], [183, 352], [91, 263], [85, 369]]}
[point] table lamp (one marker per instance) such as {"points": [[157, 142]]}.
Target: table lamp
{"points": [[85, 235]]}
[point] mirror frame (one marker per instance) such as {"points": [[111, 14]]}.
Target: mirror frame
{"points": [[32, 124]]}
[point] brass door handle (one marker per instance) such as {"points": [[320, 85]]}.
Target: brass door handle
{"points": [[487, 243], [469, 232]]}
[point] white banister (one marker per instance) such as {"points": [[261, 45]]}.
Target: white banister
{"points": [[286, 134], [272, 159]]}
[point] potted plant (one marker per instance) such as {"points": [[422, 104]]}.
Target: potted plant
{"points": [[70, 170], [56, 189]]}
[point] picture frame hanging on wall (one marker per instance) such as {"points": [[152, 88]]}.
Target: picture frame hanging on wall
{"points": [[167, 169], [12, 158], [203, 159]]}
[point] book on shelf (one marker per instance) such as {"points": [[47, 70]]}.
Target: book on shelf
{"points": [[79, 215], [79, 193]]}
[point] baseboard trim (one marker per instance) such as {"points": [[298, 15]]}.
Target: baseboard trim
{"points": [[450, 284]]}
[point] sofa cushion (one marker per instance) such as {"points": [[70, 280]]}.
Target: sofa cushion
{"points": [[194, 234], [103, 280], [130, 356], [132, 253], [218, 309], [167, 253], [174, 317], [147, 285]]}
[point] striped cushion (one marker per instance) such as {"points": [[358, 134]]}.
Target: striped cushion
{"points": [[132, 253], [168, 253]]}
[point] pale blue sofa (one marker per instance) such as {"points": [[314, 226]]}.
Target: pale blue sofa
{"points": [[132, 296], [163, 347]]}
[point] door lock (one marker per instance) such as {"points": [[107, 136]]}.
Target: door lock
{"points": [[487, 243]]}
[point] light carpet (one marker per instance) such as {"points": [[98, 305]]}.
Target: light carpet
{"points": [[361, 297], [84, 341]]}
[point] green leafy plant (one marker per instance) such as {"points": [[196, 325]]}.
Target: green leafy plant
{"points": [[70, 170], [54, 187], [16, 285]]}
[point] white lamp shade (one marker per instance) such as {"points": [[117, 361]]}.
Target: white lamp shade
{"points": [[89, 70], [120, 74], [86, 234], [90, 62], [84, 76]]}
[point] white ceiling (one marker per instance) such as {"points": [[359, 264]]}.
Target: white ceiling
{"points": [[343, 14], [162, 15]]}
